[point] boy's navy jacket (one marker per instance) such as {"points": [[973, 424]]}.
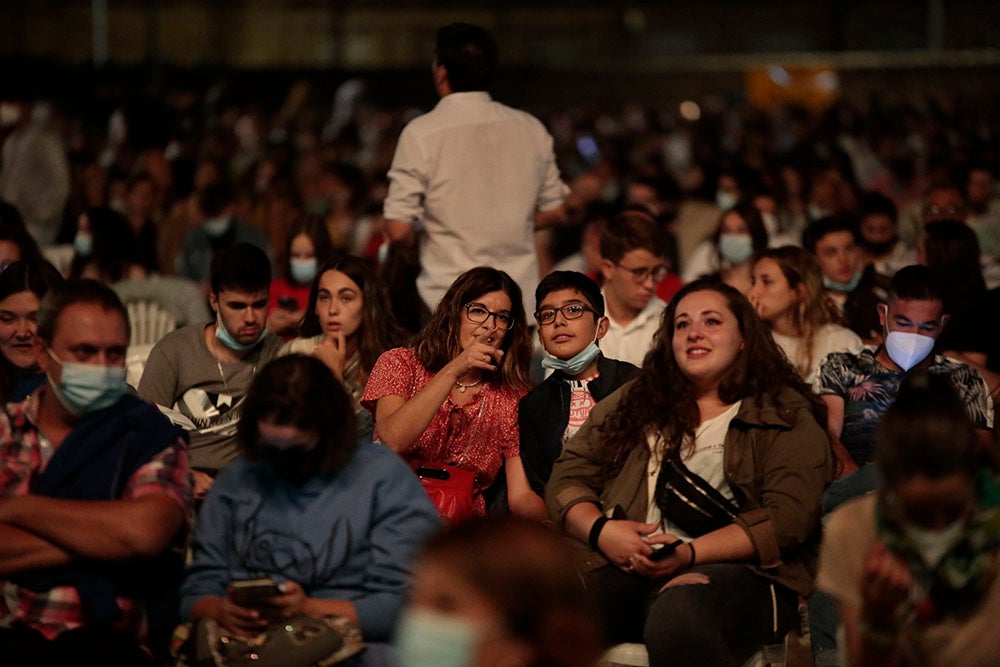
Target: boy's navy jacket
{"points": [[543, 415]]}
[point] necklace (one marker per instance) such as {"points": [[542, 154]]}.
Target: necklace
{"points": [[218, 364], [464, 387]]}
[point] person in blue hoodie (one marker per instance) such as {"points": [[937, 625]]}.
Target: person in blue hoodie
{"points": [[334, 521], [571, 323]]}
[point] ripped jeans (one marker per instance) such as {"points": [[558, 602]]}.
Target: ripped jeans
{"points": [[723, 622]]}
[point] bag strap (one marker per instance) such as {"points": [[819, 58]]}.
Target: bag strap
{"points": [[675, 479]]}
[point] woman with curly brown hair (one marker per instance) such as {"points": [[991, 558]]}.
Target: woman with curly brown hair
{"points": [[711, 463], [452, 398]]}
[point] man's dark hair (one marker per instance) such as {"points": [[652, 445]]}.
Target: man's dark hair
{"points": [[558, 280], [214, 199], [242, 266], [815, 232], [632, 229], [469, 54], [876, 203], [925, 432], [70, 292], [915, 283]]}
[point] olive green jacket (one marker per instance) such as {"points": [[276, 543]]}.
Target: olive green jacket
{"points": [[776, 454]]}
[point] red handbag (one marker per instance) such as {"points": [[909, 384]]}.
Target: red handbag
{"points": [[449, 488]]}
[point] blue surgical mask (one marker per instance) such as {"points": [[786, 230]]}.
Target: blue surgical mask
{"points": [[87, 388], [575, 364], [907, 349], [428, 638], [216, 227], [836, 286], [735, 248], [83, 244], [227, 338], [303, 270], [725, 200]]}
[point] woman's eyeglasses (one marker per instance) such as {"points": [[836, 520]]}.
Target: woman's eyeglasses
{"points": [[478, 313], [571, 311]]}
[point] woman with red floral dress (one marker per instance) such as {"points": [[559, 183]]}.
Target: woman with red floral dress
{"points": [[452, 398]]}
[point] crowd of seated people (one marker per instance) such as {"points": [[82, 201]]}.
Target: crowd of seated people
{"points": [[710, 387]]}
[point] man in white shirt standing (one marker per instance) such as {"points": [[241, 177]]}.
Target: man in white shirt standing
{"points": [[633, 262], [472, 179]]}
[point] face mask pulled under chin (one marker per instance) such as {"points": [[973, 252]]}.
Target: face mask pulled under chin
{"points": [[908, 349], [222, 333], [838, 286], [575, 364], [429, 638]]}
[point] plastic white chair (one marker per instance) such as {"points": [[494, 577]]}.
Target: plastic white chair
{"points": [[150, 322]]}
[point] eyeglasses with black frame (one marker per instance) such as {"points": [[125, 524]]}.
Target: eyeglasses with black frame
{"points": [[478, 313], [571, 311], [641, 273]]}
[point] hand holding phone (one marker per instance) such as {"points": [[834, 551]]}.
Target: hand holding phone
{"points": [[664, 551], [254, 593]]}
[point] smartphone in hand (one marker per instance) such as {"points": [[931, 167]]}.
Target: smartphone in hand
{"points": [[664, 551], [253, 593]]}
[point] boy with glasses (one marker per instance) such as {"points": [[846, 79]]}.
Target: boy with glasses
{"points": [[633, 262], [570, 321]]}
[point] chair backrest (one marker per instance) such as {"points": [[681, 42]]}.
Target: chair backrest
{"points": [[135, 362], [150, 322]]}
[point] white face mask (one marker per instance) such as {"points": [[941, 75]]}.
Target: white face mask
{"points": [[427, 638], [933, 545], [907, 349]]}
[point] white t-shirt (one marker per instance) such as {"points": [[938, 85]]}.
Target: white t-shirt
{"points": [[631, 342], [830, 338], [707, 460]]}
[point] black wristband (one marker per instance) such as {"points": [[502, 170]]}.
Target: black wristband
{"points": [[595, 532], [691, 562]]}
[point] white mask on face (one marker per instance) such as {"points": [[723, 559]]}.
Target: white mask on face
{"points": [[907, 349], [933, 545]]}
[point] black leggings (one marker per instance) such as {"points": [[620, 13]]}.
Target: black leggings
{"points": [[720, 623], [92, 646]]}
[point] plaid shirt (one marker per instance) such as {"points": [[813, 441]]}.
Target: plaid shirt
{"points": [[24, 453]]}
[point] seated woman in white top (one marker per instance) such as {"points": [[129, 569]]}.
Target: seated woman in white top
{"points": [[788, 294], [347, 324]]}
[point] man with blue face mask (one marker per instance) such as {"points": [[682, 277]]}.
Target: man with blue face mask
{"points": [[571, 323], [220, 229], [97, 494], [203, 370], [851, 285]]}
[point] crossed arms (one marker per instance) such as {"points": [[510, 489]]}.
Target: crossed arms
{"points": [[38, 531]]}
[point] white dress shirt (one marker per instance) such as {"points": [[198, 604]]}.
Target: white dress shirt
{"points": [[631, 342], [471, 174]]}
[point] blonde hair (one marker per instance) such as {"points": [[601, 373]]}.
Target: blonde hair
{"points": [[814, 309]]}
